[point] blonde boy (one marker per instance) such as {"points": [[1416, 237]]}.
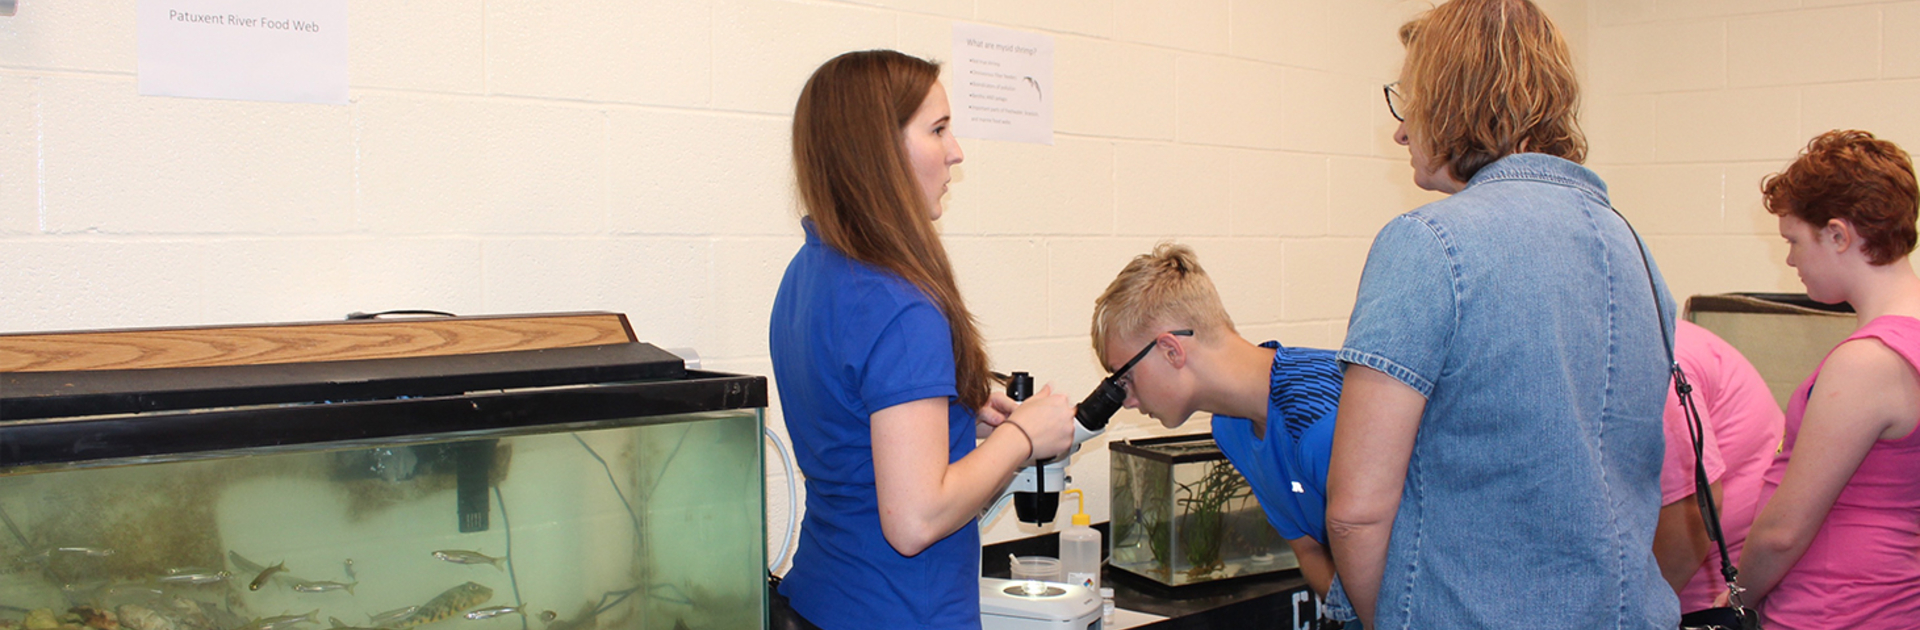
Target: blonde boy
{"points": [[1273, 406]]}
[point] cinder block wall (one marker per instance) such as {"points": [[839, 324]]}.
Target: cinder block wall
{"points": [[505, 156], [1694, 102]]}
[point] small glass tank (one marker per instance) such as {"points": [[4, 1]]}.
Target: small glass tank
{"points": [[1182, 515], [587, 491]]}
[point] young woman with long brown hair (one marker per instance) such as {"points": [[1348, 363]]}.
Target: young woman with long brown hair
{"points": [[881, 371]]}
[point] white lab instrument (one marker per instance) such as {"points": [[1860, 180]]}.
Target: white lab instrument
{"points": [[1034, 605]]}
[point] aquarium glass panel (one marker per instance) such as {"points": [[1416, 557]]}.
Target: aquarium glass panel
{"points": [[638, 523], [1183, 515]]}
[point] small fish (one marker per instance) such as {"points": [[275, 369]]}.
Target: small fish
{"points": [[122, 590], [391, 616], [458, 556], [90, 552], [196, 579], [186, 570], [87, 551], [489, 613], [71, 588], [549, 616], [350, 575], [268, 572], [322, 587], [284, 621], [243, 564], [445, 605]]}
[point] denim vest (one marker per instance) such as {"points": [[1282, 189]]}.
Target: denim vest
{"points": [[1521, 308]]}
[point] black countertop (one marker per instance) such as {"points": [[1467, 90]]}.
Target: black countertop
{"points": [[1277, 600]]}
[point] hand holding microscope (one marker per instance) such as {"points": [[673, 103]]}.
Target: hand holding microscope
{"points": [[1035, 491]]}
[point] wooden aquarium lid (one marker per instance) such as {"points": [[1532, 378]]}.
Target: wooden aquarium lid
{"points": [[260, 344], [161, 394]]}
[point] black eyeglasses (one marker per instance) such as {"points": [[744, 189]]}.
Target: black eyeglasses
{"points": [[1395, 102], [1122, 378]]}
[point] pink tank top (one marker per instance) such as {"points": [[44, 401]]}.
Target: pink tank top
{"points": [[1863, 568]]}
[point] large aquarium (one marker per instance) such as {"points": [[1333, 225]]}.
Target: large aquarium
{"points": [[545, 490]]}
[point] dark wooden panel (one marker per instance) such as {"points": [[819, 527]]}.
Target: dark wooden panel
{"points": [[304, 342]]}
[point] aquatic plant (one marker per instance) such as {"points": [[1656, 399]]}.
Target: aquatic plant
{"points": [[1202, 530]]}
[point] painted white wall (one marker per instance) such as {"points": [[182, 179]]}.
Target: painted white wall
{"points": [[1693, 102], [506, 156]]}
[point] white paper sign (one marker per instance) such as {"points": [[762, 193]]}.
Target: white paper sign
{"points": [[1003, 84], [257, 50]]}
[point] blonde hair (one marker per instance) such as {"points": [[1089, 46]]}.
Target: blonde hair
{"points": [[1164, 288], [1485, 79]]}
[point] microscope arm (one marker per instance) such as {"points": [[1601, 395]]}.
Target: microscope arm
{"points": [[1050, 477], [1050, 474]]}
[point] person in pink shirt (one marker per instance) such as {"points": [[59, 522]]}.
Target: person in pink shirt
{"points": [[1837, 543], [1740, 428]]}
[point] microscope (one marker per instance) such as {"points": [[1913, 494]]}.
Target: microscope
{"points": [[1035, 491]]}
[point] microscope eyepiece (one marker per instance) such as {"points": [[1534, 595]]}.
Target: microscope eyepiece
{"points": [[1099, 407], [1107, 399]]}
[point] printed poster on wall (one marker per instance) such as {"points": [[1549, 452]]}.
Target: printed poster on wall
{"points": [[1002, 84], [291, 51]]}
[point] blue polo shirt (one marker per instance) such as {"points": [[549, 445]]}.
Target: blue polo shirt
{"points": [[1287, 467], [848, 339]]}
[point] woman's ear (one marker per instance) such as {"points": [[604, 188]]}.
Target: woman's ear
{"points": [[1839, 234]]}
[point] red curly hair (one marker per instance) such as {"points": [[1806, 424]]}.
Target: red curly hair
{"points": [[1852, 176]]}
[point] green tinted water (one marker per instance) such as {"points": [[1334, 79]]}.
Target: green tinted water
{"points": [[659, 525]]}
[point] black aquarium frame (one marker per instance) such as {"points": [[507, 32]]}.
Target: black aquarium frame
{"points": [[82, 417], [1143, 447]]}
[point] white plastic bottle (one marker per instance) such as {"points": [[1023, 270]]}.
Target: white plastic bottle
{"points": [[1080, 549], [1106, 607]]}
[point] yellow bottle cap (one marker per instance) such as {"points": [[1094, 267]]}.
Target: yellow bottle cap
{"points": [[1080, 517]]}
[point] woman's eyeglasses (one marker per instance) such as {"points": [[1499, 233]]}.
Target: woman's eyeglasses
{"points": [[1395, 102]]}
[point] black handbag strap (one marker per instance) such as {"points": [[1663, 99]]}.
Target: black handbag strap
{"points": [[1702, 490]]}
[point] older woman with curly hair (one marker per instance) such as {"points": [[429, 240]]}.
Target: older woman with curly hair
{"points": [[1496, 461]]}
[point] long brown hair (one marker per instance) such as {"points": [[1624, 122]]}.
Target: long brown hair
{"points": [[849, 154], [1485, 79]]}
